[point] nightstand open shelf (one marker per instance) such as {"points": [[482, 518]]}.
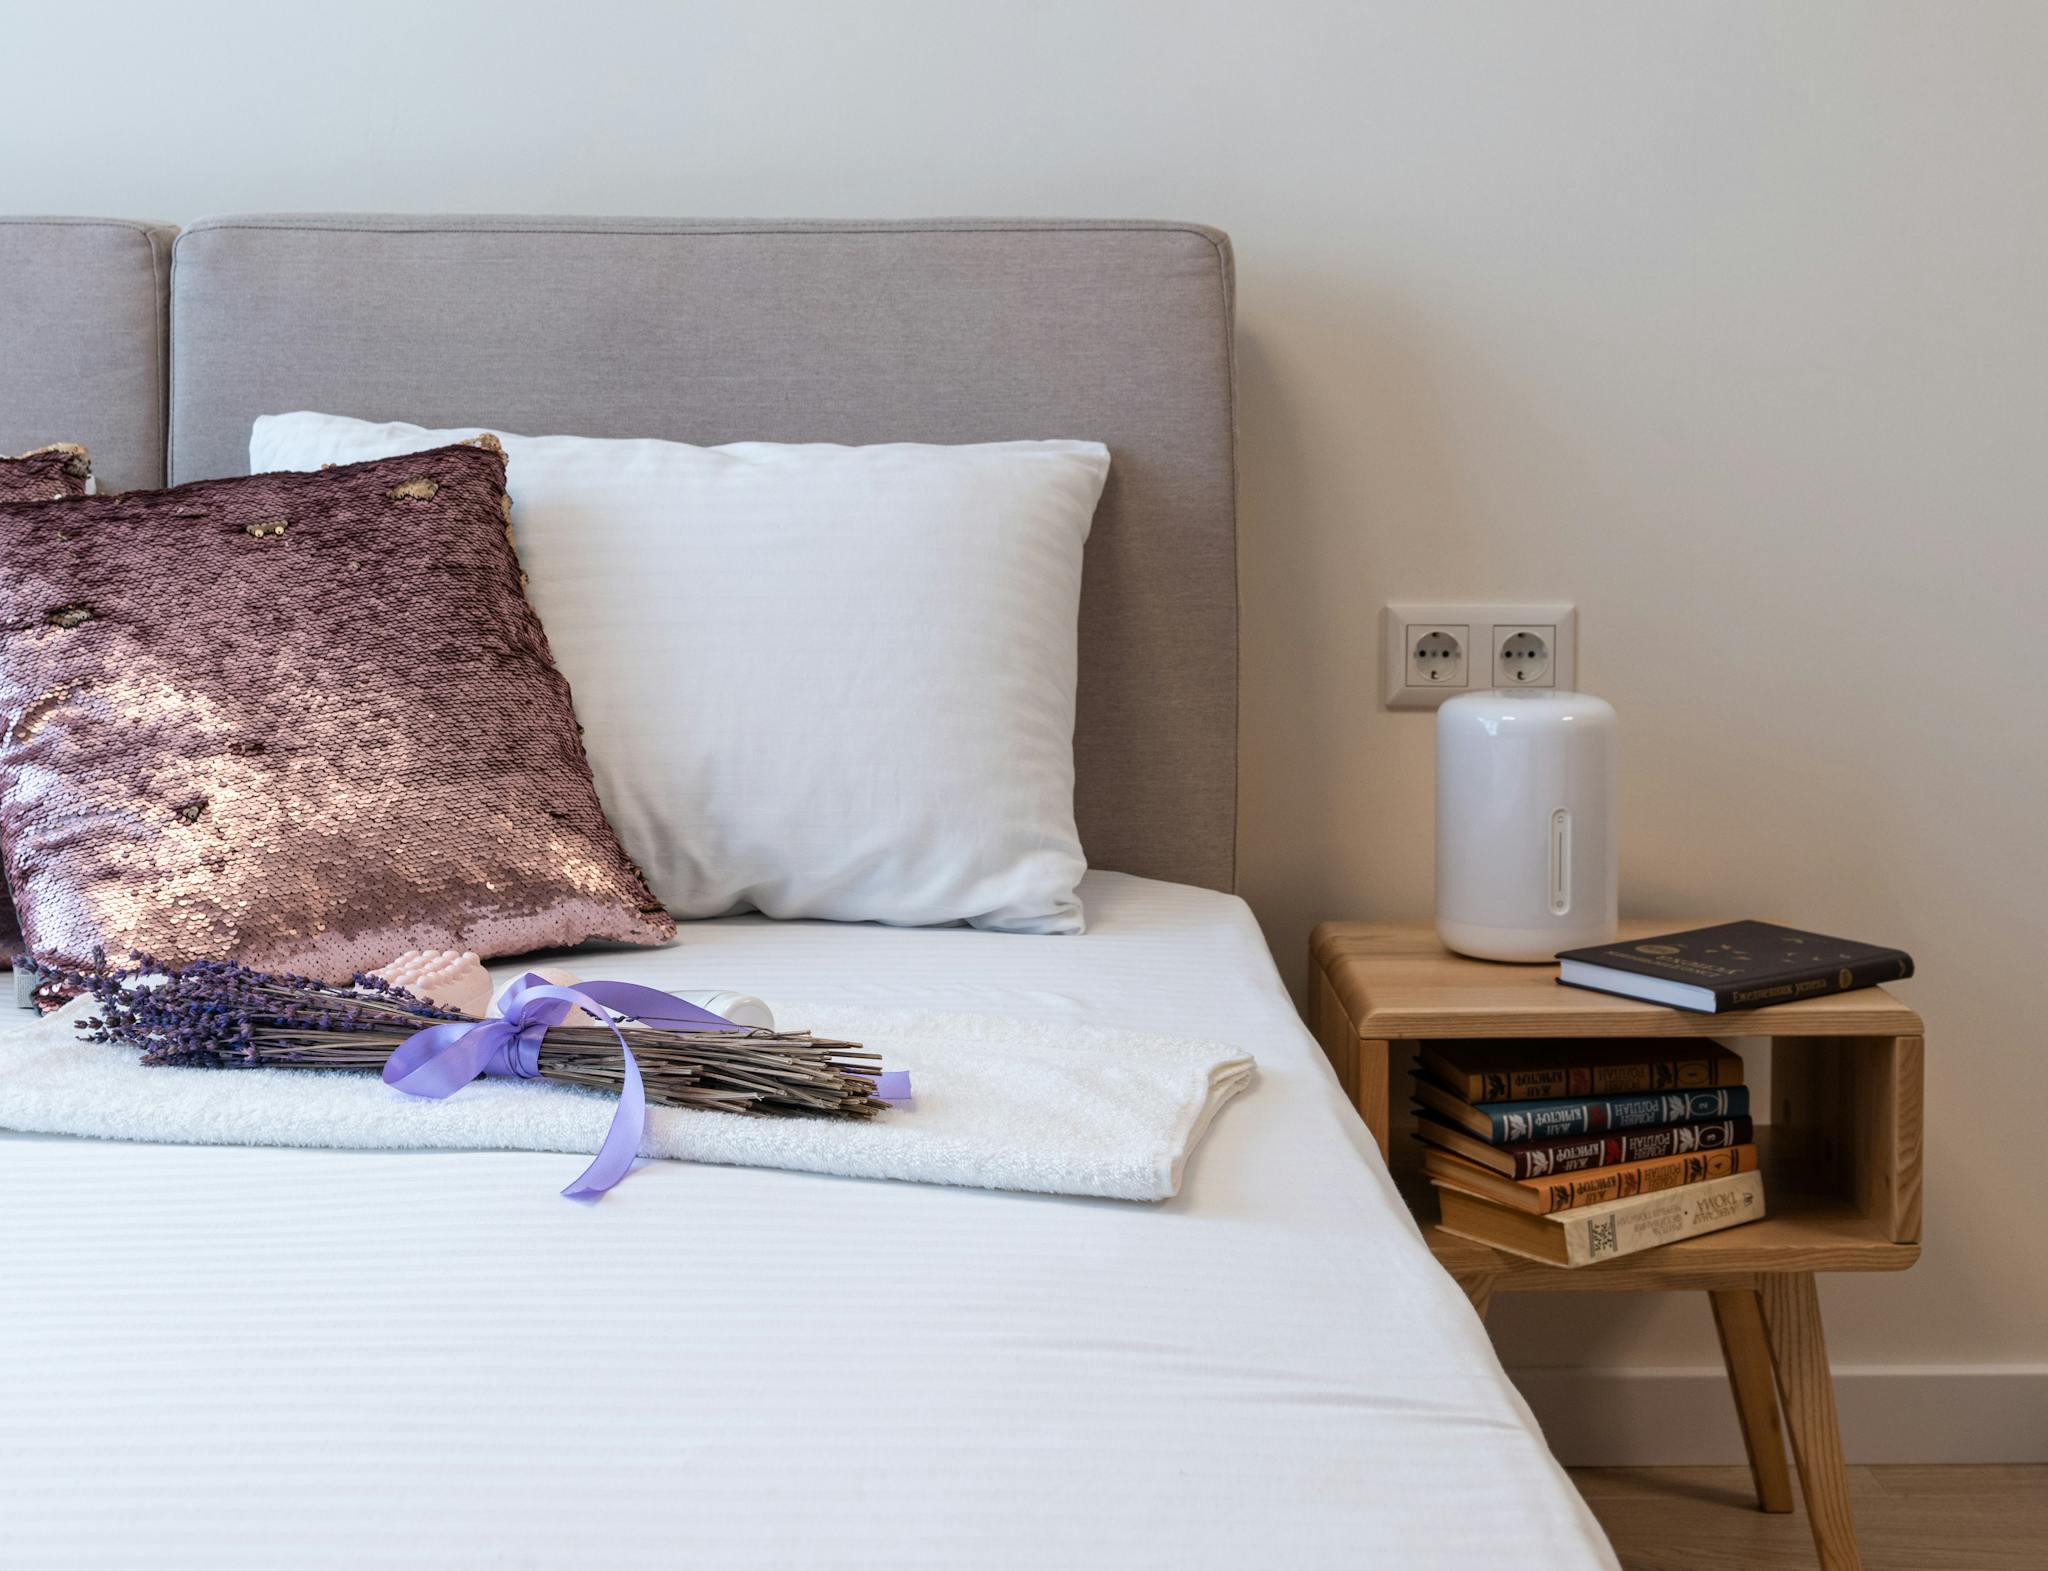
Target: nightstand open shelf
{"points": [[1840, 1150], [1802, 1233]]}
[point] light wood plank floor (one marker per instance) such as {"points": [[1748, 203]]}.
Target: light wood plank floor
{"points": [[1907, 1519]]}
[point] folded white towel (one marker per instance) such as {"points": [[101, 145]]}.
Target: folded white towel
{"points": [[1001, 1103]]}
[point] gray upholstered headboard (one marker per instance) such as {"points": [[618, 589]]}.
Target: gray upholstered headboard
{"points": [[84, 341], [710, 331]]}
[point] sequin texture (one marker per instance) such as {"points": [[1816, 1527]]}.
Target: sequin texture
{"points": [[48, 474], [305, 724]]}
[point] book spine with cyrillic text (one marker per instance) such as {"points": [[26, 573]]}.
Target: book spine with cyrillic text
{"points": [[1817, 984], [1519, 1121], [1535, 1084], [1597, 1233], [1542, 1158], [1640, 1178]]}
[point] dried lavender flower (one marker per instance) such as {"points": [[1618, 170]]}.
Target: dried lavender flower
{"points": [[217, 1014]]}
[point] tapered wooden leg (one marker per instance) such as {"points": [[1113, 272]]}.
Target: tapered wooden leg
{"points": [[1747, 1353], [1791, 1311], [1480, 1290]]}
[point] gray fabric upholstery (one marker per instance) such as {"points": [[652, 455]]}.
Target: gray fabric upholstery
{"points": [[714, 332], [84, 341]]}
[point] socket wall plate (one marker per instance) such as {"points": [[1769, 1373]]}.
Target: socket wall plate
{"points": [[1430, 651]]}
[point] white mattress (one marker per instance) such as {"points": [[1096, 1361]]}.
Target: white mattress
{"points": [[225, 1357]]}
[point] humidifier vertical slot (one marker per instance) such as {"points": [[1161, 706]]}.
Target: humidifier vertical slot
{"points": [[1560, 862]]}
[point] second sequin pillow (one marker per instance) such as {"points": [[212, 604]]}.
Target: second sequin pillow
{"points": [[302, 721]]}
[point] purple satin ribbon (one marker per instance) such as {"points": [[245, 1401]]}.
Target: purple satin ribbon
{"points": [[893, 1086], [441, 1060]]}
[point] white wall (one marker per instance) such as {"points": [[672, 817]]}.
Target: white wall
{"points": [[1728, 321]]}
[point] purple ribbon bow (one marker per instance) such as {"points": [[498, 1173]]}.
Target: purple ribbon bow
{"points": [[441, 1060]]}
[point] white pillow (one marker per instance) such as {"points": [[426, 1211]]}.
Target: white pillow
{"points": [[814, 681]]}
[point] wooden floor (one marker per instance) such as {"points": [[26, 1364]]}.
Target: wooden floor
{"points": [[1907, 1519]]}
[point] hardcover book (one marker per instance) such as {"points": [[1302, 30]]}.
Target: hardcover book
{"points": [[1529, 1071], [1738, 965], [1541, 1196], [1542, 1158], [1591, 1234], [1502, 1123]]}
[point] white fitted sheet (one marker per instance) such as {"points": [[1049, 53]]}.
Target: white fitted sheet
{"points": [[225, 1357]]}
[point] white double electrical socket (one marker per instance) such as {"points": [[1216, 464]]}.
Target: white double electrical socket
{"points": [[1433, 652]]}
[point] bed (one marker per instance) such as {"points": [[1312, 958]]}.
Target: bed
{"points": [[223, 1356]]}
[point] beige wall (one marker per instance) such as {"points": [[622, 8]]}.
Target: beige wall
{"points": [[1727, 321]]}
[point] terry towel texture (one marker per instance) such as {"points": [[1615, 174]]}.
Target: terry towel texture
{"points": [[1001, 1103]]}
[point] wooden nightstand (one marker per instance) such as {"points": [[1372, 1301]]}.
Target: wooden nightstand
{"points": [[1840, 1157]]}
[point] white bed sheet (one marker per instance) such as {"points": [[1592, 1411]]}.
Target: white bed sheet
{"points": [[226, 1357]]}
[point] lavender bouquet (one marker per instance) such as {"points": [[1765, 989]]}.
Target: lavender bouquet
{"points": [[216, 1015]]}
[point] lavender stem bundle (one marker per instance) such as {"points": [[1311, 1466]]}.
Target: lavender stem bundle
{"points": [[217, 1015]]}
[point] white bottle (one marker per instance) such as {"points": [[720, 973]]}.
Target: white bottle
{"points": [[1525, 825]]}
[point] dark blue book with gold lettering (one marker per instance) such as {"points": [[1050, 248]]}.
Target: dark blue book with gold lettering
{"points": [[1738, 965], [1498, 1123]]}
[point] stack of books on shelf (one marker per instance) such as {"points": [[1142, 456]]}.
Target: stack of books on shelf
{"points": [[1577, 1152]]}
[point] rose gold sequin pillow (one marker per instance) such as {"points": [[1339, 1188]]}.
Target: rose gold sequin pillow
{"points": [[303, 721], [48, 474]]}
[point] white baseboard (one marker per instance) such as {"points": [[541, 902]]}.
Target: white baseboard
{"points": [[1619, 1417]]}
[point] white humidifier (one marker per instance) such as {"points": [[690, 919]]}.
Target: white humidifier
{"points": [[1525, 830]]}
